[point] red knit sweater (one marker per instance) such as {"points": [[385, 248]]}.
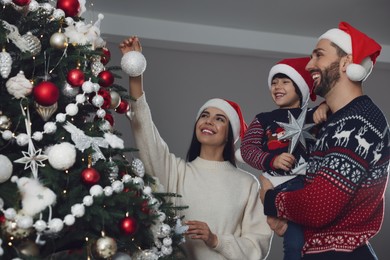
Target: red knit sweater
{"points": [[342, 204]]}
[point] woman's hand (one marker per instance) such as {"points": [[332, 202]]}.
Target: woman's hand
{"points": [[200, 230], [130, 44], [284, 161], [278, 225], [265, 186]]}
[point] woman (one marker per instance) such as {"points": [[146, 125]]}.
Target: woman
{"points": [[225, 216]]}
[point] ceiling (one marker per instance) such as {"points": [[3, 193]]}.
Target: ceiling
{"points": [[246, 27]]}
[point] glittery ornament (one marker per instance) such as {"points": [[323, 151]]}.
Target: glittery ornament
{"points": [[33, 43], [97, 67], [106, 247], [115, 99], [133, 63], [58, 14], [5, 64], [19, 86], [11, 229], [58, 40], [112, 170], [46, 111], [137, 167]]}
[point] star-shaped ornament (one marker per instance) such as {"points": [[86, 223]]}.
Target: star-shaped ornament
{"points": [[297, 130], [32, 159]]}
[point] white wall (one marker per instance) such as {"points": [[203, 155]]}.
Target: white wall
{"points": [[177, 83]]}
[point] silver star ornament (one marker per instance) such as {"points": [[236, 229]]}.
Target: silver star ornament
{"points": [[297, 130]]}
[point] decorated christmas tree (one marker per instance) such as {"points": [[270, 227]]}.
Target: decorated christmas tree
{"points": [[68, 189]]}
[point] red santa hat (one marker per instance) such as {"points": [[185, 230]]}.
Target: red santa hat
{"points": [[364, 49], [232, 111], [295, 69]]}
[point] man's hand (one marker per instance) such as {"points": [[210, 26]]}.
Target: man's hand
{"points": [[278, 225]]}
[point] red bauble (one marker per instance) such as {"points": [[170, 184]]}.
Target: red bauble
{"points": [[70, 7], [90, 176], [106, 56], [123, 107], [2, 219], [46, 93], [109, 118], [145, 207], [21, 2], [128, 225], [75, 77], [105, 78]]}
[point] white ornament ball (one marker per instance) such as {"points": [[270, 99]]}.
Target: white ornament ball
{"points": [[22, 139], [5, 169], [37, 136], [40, 225], [133, 63], [138, 181], [105, 126], [58, 40], [71, 109], [117, 186], [58, 14], [10, 213], [108, 191], [87, 86], [97, 101], [101, 113], [55, 225], [167, 241], [69, 220], [147, 190], [80, 98], [95, 87], [88, 200], [33, 6], [161, 216], [62, 156], [60, 117], [7, 135], [106, 247], [78, 210], [96, 190], [126, 178], [166, 250], [49, 128]]}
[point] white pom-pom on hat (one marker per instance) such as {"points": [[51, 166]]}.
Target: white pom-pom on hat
{"points": [[133, 63]]}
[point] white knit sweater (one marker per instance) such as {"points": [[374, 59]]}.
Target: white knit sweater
{"points": [[223, 196]]}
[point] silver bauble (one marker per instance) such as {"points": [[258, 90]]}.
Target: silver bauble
{"points": [[5, 64], [70, 91], [106, 247], [5, 122], [115, 99], [33, 43], [113, 170], [58, 40]]}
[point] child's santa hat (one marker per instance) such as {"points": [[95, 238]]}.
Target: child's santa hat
{"points": [[295, 69], [233, 112], [364, 50]]}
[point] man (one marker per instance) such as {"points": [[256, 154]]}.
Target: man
{"points": [[342, 204]]}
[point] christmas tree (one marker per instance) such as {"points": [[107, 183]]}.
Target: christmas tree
{"points": [[67, 189]]}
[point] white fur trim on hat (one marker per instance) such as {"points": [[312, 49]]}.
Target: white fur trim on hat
{"points": [[355, 72], [293, 75], [228, 110]]}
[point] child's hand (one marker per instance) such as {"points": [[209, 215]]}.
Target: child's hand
{"points": [[320, 115], [130, 44], [284, 161]]}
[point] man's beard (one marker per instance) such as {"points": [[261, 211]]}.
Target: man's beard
{"points": [[329, 77]]}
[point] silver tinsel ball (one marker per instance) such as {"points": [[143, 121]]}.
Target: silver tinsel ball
{"points": [[106, 247], [33, 43], [5, 64], [133, 63], [96, 67], [113, 170], [70, 91], [58, 40], [137, 167], [115, 99]]}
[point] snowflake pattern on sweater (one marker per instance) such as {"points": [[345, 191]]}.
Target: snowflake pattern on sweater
{"points": [[342, 204]]}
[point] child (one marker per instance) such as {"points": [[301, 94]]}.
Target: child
{"points": [[264, 148]]}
